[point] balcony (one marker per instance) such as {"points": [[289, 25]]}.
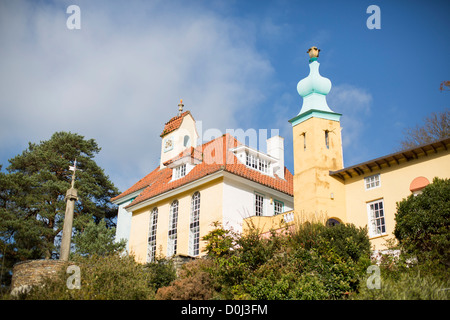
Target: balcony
{"points": [[264, 224]]}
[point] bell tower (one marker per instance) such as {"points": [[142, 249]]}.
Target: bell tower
{"points": [[317, 149], [179, 133]]}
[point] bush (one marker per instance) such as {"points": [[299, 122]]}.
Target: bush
{"points": [[423, 224], [110, 277], [194, 283], [162, 273], [409, 285], [314, 262]]}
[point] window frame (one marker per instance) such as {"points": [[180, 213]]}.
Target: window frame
{"points": [[275, 202], [376, 183], [376, 218], [258, 204], [172, 236], [253, 161], [194, 225], [179, 171], [151, 242]]}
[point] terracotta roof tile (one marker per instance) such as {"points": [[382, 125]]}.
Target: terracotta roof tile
{"points": [[215, 157], [174, 123]]}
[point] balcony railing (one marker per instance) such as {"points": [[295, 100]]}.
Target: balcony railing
{"points": [[264, 224]]}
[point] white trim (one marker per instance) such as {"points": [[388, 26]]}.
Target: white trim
{"points": [[371, 224], [128, 197], [279, 195], [253, 151], [372, 176], [176, 191], [210, 177]]}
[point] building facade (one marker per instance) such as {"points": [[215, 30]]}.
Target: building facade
{"points": [[167, 212], [364, 194]]}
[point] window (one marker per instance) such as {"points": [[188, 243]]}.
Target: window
{"points": [[259, 204], [179, 171], [278, 207], [372, 181], [332, 222], [257, 163], [151, 249], [375, 211], [186, 141], [194, 226], [304, 141], [327, 139], [173, 222]]}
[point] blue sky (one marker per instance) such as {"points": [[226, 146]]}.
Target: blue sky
{"points": [[235, 64]]}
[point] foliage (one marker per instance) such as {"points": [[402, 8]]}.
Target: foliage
{"points": [[97, 238], [436, 127], [162, 273], [220, 241], [423, 224], [314, 262], [194, 283], [406, 285], [32, 195], [111, 277]]}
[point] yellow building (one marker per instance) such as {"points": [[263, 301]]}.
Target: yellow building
{"points": [[167, 212], [364, 194]]}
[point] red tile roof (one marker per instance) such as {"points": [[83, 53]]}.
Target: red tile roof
{"points": [[191, 152], [215, 157], [174, 123]]}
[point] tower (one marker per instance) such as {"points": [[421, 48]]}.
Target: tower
{"points": [[317, 149], [179, 133]]}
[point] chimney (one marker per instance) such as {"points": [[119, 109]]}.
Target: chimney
{"points": [[275, 148]]}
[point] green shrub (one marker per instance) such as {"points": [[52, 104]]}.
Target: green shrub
{"points": [[423, 224], [408, 285], [161, 272], [314, 262], [110, 277]]}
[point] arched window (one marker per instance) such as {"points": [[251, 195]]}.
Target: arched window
{"points": [[194, 226], [332, 222], [173, 222], [186, 141], [151, 248]]}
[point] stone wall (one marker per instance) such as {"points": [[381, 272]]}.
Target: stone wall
{"points": [[179, 260], [31, 272]]}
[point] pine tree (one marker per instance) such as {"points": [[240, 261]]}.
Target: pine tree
{"points": [[32, 192]]}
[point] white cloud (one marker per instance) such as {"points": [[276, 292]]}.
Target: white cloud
{"points": [[120, 77]]}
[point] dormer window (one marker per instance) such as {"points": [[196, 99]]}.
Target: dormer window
{"points": [[179, 171], [257, 163]]}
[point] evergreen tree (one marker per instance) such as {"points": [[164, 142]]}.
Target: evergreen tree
{"points": [[32, 193], [98, 239]]}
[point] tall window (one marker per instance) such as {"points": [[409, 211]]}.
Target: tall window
{"points": [[277, 207], [194, 226], [259, 201], [327, 139], [372, 181], [377, 224], [151, 248], [173, 222]]}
